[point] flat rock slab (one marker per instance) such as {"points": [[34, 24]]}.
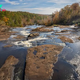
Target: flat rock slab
{"points": [[19, 37], [40, 60], [42, 29], [7, 46], [65, 39], [7, 70], [4, 36]]}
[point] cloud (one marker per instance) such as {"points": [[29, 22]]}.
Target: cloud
{"points": [[38, 6], [48, 10], [11, 2], [20, 0], [59, 1], [63, 1], [25, 3]]}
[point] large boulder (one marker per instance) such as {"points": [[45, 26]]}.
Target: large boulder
{"points": [[7, 70], [40, 60], [32, 35]]}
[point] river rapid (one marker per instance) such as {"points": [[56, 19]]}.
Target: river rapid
{"points": [[68, 65]]}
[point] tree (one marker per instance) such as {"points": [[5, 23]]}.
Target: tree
{"points": [[56, 17], [75, 6]]}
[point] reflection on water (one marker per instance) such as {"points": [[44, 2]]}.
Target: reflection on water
{"points": [[18, 53], [64, 71], [68, 64]]}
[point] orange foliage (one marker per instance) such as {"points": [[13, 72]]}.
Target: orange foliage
{"points": [[5, 19]]}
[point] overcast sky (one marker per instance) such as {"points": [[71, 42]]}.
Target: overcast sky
{"points": [[36, 6]]}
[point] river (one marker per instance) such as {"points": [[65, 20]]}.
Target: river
{"points": [[68, 64]]}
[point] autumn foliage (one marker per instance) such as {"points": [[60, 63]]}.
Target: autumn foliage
{"points": [[19, 19], [70, 14], [5, 19]]}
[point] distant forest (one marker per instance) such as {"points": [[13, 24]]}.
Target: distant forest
{"points": [[20, 19], [70, 14]]}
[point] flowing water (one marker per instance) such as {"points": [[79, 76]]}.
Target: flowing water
{"points": [[68, 65]]}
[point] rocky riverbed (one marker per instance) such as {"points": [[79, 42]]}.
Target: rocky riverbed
{"points": [[40, 53]]}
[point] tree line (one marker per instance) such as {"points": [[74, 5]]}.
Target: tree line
{"points": [[19, 19], [70, 14]]}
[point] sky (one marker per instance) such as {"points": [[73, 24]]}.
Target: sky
{"points": [[36, 6]]}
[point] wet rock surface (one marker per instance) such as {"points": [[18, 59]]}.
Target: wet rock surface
{"points": [[7, 46], [7, 70], [42, 29], [40, 60], [78, 38], [4, 28], [19, 37], [32, 35], [4, 35], [63, 26], [65, 39], [65, 30]]}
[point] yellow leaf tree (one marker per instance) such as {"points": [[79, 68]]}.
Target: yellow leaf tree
{"points": [[5, 19]]}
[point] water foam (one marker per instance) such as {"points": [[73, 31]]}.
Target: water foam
{"points": [[27, 43]]}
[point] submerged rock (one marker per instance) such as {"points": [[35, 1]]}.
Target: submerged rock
{"points": [[7, 70], [40, 60], [65, 39], [7, 46]]}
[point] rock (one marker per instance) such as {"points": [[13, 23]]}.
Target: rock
{"points": [[63, 26], [7, 46], [65, 39], [4, 28], [7, 70], [40, 60], [49, 26], [4, 35], [19, 37], [32, 35], [42, 29], [64, 30], [50, 36], [78, 38]]}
